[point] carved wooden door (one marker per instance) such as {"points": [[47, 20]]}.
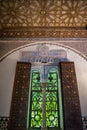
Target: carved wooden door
{"points": [[72, 112], [19, 105]]}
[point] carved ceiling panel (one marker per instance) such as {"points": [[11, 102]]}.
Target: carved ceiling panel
{"points": [[34, 13]]}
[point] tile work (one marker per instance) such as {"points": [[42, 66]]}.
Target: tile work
{"points": [[4, 123]]}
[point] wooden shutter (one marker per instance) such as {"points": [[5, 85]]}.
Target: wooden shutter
{"points": [[19, 105], [72, 112]]}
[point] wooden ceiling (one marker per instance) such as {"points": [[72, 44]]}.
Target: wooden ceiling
{"points": [[43, 13]]}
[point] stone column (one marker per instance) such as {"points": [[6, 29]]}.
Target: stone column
{"points": [[44, 107]]}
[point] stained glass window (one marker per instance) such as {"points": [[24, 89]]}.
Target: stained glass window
{"points": [[52, 105], [36, 101], [52, 114]]}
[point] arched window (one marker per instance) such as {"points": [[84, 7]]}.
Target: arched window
{"points": [[52, 110]]}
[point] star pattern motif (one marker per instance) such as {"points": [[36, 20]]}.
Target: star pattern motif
{"points": [[34, 13], [74, 13]]}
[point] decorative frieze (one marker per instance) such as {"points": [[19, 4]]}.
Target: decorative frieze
{"points": [[43, 32]]}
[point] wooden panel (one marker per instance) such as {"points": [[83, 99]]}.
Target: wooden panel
{"points": [[72, 112], [19, 105]]}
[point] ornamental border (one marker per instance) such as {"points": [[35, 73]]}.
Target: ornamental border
{"points": [[43, 32]]}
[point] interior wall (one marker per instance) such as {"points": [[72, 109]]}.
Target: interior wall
{"points": [[7, 73]]}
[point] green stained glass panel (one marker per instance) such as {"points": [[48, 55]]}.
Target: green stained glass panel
{"points": [[51, 109], [52, 114], [36, 119], [52, 83], [36, 101], [36, 85], [52, 117], [36, 110]]}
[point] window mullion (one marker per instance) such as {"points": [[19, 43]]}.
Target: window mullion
{"points": [[44, 107]]}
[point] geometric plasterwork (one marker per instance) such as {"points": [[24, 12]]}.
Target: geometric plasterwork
{"points": [[43, 13]]}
